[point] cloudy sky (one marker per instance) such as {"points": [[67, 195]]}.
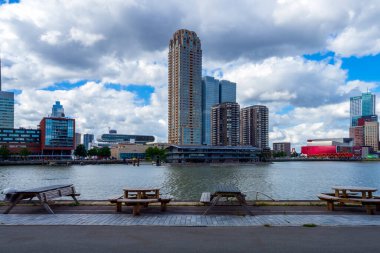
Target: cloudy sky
{"points": [[106, 61]]}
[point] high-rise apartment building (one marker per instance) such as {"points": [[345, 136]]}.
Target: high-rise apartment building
{"points": [[185, 89], [364, 126], [7, 105], [214, 92], [225, 124], [57, 110], [371, 135], [254, 126]]}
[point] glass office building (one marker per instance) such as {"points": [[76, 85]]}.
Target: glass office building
{"points": [[7, 109], [57, 110], [227, 91], [214, 92], [210, 97], [57, 137], [364, 105], [20, 135], [87, 139]]}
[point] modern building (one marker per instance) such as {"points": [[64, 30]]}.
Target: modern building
{"points": [[210, 97], [364, 126], [78, 139], [185, 89], [282, 147], [57, 137], [57, 110], [371, 135], [214, 92], [225, 124], [113, 139], [17, 139], [87, 139], [227, 91], [212, 154], [329, 147], [254, 126], [7, 105]]}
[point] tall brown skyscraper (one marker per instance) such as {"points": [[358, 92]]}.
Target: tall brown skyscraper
{"points": [[254, 126], [225, 124], [185, 89]]}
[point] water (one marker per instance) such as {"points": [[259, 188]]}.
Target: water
{"points": [[282, 180]]}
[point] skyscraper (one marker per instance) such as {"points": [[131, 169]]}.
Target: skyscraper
{"points": [[214, 92], [364, 125], [225, 124], [185, 89], [210, 97], [227, 91], [87, 139], [7, 104], [254, 126], [57, 110]]}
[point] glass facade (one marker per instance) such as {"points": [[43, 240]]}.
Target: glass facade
{"points": [[120, 138], [210, 97], [227, 92], [59, 133], [57, 110], [6, 109], [19, 135], [87, 139], [214, 92]]}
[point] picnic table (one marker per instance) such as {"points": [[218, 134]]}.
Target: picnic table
{"points": [[44, 195], [227, 191], [349, 194], [366, 192], [138, 197]]}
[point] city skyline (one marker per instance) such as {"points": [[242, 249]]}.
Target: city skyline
{"points": [[305, 77]]}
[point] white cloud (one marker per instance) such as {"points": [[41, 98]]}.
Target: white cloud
{"points": [[86, 39], [96, 108], [258, 44]]}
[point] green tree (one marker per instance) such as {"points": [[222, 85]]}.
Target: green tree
{"points": [[80, 151], [151, 153], [93, 152], [104, 152], [24, 153], [4, 152]]}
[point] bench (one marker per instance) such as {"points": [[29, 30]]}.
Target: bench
{"points": [[44, 195], [137, 203], [369, 204], [205, 198]]}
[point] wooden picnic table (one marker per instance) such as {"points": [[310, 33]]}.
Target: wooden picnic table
{"points": [[228, 191], [342, 191], [44, 195], [141, 193]]}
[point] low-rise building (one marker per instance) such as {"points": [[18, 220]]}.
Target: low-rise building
{"points": [[212, 154], [282, 147]]}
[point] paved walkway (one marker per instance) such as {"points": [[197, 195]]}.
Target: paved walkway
{"points": [[188, 220]]}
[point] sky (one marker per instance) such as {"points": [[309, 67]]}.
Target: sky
{"points": [[106, 61]]}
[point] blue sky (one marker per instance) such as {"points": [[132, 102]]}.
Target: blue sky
{"points": [[107, 61]]}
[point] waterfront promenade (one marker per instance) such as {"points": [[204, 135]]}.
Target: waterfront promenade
{"points": [[96, 227]]}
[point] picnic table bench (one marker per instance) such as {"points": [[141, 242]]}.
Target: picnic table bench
{"points": [[44, 194], [138, 197], [224, 191], [348, 194]]}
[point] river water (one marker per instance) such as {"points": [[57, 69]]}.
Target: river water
{"points": [[279, 180]]}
